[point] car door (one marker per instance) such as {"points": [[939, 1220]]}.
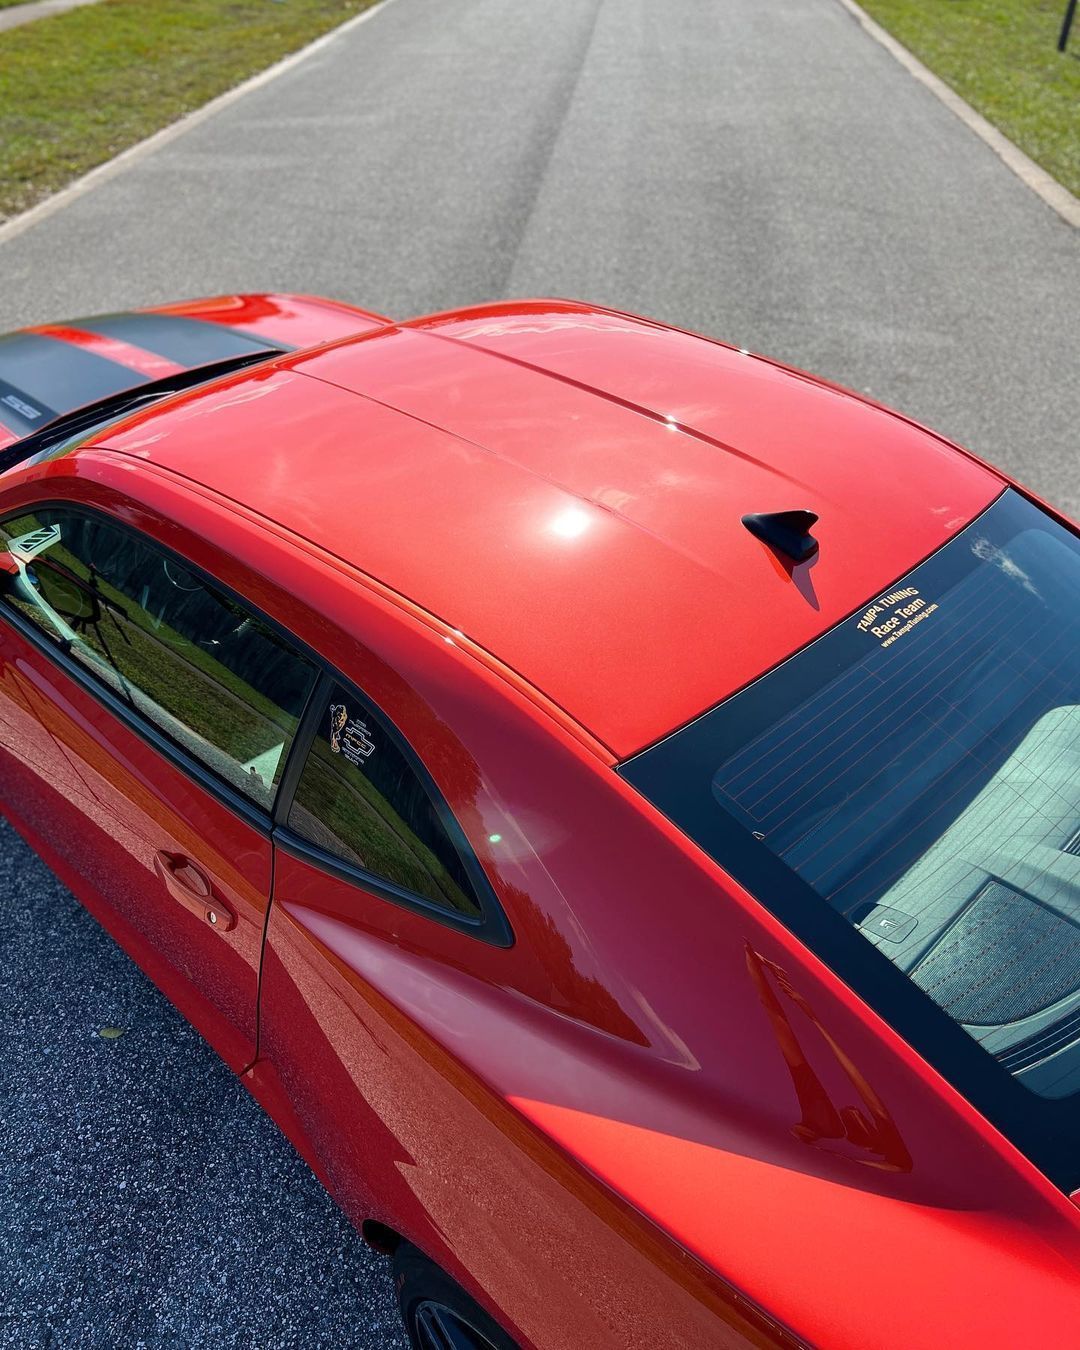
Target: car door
{"points": [[371, 862], [31, 765], [171, 706]]}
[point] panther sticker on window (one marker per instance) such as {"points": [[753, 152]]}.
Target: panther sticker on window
{"points": [[349, 737]]}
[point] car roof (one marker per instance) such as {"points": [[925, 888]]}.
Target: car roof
{"points": [[565, 485]]}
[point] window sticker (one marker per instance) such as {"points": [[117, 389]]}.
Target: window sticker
{"points": [[349, 737], [27, 546], [339, 715], [896, 614]]}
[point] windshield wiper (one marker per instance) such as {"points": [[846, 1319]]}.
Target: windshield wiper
{"points": [[115, 406]]}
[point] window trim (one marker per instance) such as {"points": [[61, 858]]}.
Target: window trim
{"points": [[492, 925]]}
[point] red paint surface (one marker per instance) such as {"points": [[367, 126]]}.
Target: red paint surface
{"points": [[297, 320], [602, 1131], [289, 320], [147, 363], [596, 549], [104, 803]]}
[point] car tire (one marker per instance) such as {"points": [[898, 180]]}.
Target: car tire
{"points": [[439, 1314]]}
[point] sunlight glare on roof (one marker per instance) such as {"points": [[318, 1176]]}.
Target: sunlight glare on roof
{"points": [[571, 523]]}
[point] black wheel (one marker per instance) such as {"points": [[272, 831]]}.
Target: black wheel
{"points": [[439, 1314]]}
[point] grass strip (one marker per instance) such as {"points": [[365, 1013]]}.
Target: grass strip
{"points": [[79, 87], [1001, 56]]}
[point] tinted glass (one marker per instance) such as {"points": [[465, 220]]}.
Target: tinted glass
{"points": [[918, 769], [206, 672], [360, 800]]}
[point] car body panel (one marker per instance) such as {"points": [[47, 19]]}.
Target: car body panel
{"points": [[658, 1062], [610, 1131], [609, 522], [132, 804], [181, 993], [50, 369], [608, 1280], [107, 802], [288, 321]]}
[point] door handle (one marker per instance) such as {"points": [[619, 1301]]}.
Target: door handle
{"points": [[191, 887]]}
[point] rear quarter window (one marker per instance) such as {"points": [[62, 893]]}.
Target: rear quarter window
{"points": [[360, 799]]}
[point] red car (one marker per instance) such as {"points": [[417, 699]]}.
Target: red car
{"points": [[613, 799]]}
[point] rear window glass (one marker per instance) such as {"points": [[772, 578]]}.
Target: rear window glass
{"points": [[917, 770]]}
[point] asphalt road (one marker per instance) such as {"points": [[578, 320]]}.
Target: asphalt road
{"points": [[756, 169], [146, 1199]]}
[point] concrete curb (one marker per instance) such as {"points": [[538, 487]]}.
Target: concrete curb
{"points": [[17, 224], [1053, 193], [17, 15]]}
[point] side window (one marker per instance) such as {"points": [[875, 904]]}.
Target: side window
{"points": [[208, 674], [359, 799]]}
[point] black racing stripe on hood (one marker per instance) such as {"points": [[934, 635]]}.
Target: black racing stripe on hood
{"points": [[58, 376], [188, 342], [20, 413]]}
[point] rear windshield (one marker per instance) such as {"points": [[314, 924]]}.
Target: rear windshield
{"points": [[906, 790]]}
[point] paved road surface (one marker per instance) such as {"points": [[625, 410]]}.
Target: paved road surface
{"points": [[756, 169], [17, 15], [146, 1200]]}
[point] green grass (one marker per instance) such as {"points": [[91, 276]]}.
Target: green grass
{"points": [[1002, 57], [79, 87]]}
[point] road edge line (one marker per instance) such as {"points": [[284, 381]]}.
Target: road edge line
{"points": [[102, 173], [1056, 195]]}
